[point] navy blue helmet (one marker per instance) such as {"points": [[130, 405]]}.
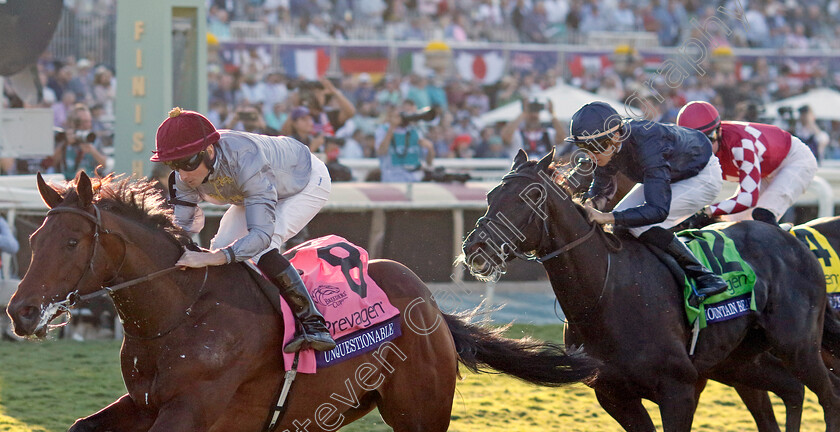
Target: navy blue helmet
{"points": [[592, 124]]}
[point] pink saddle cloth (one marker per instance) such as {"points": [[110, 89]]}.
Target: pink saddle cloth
{"points": [[357, 312]]}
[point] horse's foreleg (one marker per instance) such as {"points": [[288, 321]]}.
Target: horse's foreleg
{"points": [[628, 412], [122, 415]]}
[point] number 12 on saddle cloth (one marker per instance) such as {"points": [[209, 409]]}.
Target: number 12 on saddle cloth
{"points": [[717, 252], [356, 310]]}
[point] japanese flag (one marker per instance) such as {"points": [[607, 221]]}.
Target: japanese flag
{"points": [[487, 68]]}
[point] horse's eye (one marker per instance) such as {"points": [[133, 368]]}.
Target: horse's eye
{"points": [[72, 243]]}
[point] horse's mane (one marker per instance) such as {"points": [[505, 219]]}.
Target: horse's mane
{"points": [[138, 199], [559, 173], [561, 180]]}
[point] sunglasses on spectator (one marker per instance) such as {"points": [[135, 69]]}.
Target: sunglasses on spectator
{"points": [[190, 163]]}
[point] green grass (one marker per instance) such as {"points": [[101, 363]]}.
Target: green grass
{"points": [[45, 386]]}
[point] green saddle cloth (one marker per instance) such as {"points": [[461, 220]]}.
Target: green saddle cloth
{"points": [[718, 253]]}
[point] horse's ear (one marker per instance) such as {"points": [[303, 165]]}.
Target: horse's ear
{"points": [[543, 164], [520, 158], [84, 188], [48, 194]]}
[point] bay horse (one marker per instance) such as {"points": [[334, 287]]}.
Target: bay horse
{"points": [[202, 347], [627, 308]]}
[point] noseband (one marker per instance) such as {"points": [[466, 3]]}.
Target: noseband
{"points": [[528, 257]]}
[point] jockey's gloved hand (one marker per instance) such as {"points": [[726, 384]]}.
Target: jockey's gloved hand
{"points": [[696, 221], [598, 203], [700, 219]]}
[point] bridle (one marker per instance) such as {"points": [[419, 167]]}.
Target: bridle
{"points": [[563, 249], [533, 257], [96, 218]]}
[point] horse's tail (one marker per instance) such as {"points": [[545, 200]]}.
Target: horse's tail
{"points": [[831, 331], [536, 362]]}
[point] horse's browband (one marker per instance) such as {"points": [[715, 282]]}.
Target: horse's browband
{"points": [[95, 219]]}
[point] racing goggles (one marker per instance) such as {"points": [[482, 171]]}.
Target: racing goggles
{"points": [[190, 163]]}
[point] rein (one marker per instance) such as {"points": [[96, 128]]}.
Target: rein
{"points": [[73, 298], [556, 253], [96, 219], [613, 244]]}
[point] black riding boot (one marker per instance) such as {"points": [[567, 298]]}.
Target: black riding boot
{"points": [[708, 283], [764, 215], [313, 330]]}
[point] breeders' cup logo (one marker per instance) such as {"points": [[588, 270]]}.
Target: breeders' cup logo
{"points": [[328, 295]]}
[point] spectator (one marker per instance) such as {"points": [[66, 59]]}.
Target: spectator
{"points": [[81, 149], [62, 109], [275, 90], [8, 242], [492, 146], [810, 133], [302, 128], [218, 22], [365, 91], [401, 147], [526, 131], [418, 92], [248, 118], [104, 90], [462, 147], [333, 148], [251, 90], [326, 120], [82, 82], [353, 148], [217, 112], [390, 94], [276, 117], [368, 118], [60, 82], [226, 90]]}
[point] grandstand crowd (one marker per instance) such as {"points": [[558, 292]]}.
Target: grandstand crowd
{"points": [[251, 93]]}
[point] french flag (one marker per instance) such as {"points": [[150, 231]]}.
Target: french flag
{"points": [[308, 64]]}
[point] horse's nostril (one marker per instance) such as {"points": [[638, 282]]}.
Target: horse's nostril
{"points": [[29, 313]]}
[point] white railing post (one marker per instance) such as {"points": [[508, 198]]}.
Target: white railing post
{"points": [[825, 197]]}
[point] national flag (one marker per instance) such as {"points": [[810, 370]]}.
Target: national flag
{"points": [[413, 62], [306, 63], [373, 61], [652, 63], [487, 68], [581, 64]]}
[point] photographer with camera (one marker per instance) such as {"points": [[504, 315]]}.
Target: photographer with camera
{"points": [[528, 133], [315, 95], [248, 118], [401, 146], [77, 146]]}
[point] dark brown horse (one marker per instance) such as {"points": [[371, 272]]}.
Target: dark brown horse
{"points": [[627, 308], [751, 378], [202, 350]]}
